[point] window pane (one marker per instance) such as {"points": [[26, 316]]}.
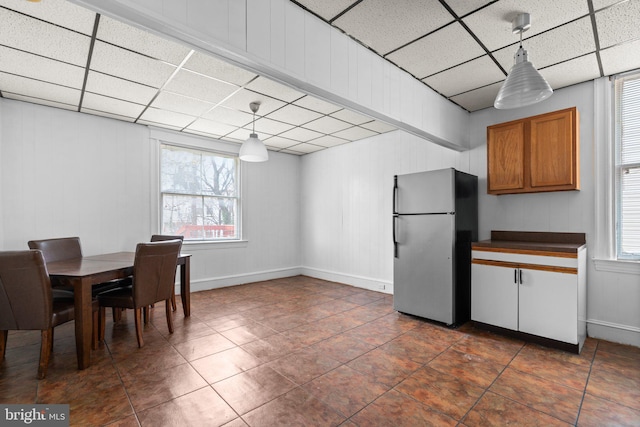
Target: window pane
{"points": [[630, 126], [219, 218], [630, 212], [180, 171], [218, 176]]}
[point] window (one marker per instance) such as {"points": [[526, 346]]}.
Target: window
{"points": [[199, 194], [627, 166]]}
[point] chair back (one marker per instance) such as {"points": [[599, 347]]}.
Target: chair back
{"points": [[25, 291], [162, 237], [58, 249], [154, 271]]}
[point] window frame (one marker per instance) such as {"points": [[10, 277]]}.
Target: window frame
{"points": [[185, 144], [618, 166]]}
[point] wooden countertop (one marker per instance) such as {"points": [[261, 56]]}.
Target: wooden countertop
{"points": [[532, 242]]}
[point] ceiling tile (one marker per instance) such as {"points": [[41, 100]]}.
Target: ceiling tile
{"points": [[470, 75], [104, 84], [181, 104], [167, 117], [618, 24], [288, 151], [37, 67], [241, 100], [144, 42], [242, 134], [273, 127], [32, 100], [445, 48], [34, 88], [327, 9], [329, 141], [492, 24], [58, 12], [109, 115], [316, 104], [572, 72], [479, 98], [378, 126], [111, 105], [301, 134], [280, 142], [129, 65], [31, 35], [599, 4], [462, 7], [228, 116], [306, 148], [384, 26], [213, 128], [618, 59], [355, 133], [351, 117], [327, 124], [213, 67], [199, 133], [544, 49], [294, 115], [274, 89], [200, 87]]}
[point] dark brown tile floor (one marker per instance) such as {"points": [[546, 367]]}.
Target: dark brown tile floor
{"points": [[306, 352]]}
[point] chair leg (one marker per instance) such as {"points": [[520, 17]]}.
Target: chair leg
{"points": [[167, 307], [138, 321], [146, 312], [45, 352], [117, 314], [95, 331], [173, 300], [101, 322], [3, 343], [52, 336]]}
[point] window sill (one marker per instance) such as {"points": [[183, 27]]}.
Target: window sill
{"points": [[617, 266], [207, 245]]}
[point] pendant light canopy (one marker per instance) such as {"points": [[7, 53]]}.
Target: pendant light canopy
{"points": [[524, 85], [253, 150]]}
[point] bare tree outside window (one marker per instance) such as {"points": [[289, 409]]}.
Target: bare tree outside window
{"points": [[199, 194]]}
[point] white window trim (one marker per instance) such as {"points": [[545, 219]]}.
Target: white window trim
{"points": [[157, 137], [604, 146]]}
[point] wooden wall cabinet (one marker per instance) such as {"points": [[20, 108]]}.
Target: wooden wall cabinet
{"points": [[534, 154]]}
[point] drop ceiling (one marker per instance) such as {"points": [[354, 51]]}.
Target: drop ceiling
{"points": [[58, 54]]}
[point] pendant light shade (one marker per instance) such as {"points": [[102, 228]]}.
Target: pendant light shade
{"points": [[524, 85], [253, 150]]}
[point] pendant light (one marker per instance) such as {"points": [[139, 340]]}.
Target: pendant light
{"points": [[524, 85], [253, 150]]}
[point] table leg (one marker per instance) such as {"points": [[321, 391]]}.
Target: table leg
{"points": [[185, 286], [83, 321]]}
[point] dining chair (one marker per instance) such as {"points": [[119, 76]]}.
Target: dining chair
{"points": [[26, 302], [154, 273], [160, 238], [66, 248]]}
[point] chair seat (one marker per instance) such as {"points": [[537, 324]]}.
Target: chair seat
{"points": [[63, 311], [120, 297], [108, 286], [62, 295]]}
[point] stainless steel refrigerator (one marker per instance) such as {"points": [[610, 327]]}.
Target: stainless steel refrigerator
{"points": [[435, 219]]}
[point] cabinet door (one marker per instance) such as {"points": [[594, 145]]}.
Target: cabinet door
{"points": [[548, 305], [553, 149], [494, 295], [505, 157]]}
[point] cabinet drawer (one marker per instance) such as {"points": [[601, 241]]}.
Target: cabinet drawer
{"points": [[518, 259]]}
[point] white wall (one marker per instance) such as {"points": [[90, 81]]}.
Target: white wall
{"points": [[346, 209], [65, 173], [347, 205]]}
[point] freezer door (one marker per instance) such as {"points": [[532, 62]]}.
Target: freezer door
{"points": [[425, 192], [423, 269]]}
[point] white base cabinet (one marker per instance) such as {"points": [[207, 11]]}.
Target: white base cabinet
{"points": [[541, 295]]}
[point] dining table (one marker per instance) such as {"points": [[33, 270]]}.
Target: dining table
{"points": [[83, 273]]}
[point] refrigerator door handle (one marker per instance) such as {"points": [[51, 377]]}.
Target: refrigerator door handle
{"points": [[395, 194], [395, 242]]}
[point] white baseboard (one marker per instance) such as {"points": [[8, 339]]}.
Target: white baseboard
{"points": [[349, 279], [239, 279], [614, 332]]}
